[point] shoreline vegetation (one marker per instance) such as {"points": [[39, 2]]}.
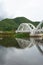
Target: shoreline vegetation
{"points": [[13, 34], [18, 35]]}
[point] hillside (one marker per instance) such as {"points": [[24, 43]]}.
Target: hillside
{"points": [[12, 24]]}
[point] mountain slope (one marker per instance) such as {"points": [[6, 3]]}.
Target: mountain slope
{"points": [[12, 24]]}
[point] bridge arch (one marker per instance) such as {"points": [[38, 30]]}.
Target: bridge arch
{"points": [[25, 27], [31, 25]]}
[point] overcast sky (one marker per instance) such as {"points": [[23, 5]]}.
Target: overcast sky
{"points": [[31, 9]]}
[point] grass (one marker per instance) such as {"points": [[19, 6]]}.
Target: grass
{"points": [[22, 35], [13, 34]]}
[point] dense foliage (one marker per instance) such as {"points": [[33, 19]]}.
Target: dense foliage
{"points": [[12, 24], [22, 35]]}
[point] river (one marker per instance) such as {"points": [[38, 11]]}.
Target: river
{"points": [[21, 51]]}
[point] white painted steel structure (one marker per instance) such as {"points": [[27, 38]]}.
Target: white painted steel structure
{"points": [[30, 28]]}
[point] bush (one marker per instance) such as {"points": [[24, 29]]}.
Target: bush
{"points": [[22, 35]]}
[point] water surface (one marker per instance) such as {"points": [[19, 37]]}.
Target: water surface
{"points": [[21, 51]]}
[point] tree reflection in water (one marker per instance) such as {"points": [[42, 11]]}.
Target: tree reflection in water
{"points": [[22, 43]]}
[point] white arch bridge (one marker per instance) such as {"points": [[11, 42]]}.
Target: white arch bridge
{"points": [[30, 28]]}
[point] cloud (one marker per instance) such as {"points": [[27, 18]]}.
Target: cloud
{"points": [[32, 9]]}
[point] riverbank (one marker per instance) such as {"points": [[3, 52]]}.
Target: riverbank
{"points": [[6, 33], [18, 35]]}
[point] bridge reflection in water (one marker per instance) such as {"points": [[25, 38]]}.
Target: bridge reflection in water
{"points": [[24, 43]]}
